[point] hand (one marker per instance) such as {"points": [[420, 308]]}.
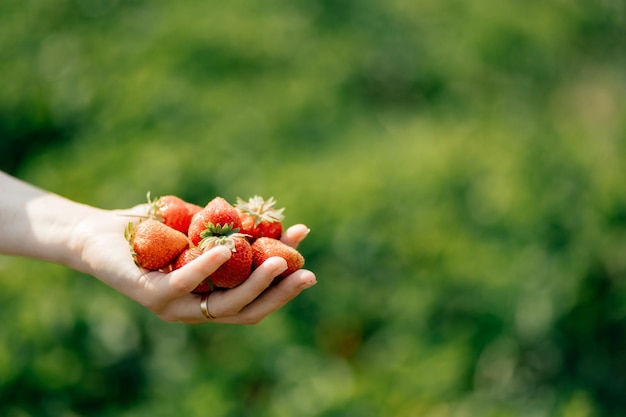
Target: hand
{"points": [[105, 254]]}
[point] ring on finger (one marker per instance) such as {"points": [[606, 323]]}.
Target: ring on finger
{"points": [[204, 307]]}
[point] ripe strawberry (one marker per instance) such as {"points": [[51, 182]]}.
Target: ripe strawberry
{"points": [[153, 244], [184, 258], [264, 248], [173, 211], [218, 216], [259, 218], [237, 268]]}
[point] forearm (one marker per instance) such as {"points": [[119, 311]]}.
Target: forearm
{"points": [[38, 224]]}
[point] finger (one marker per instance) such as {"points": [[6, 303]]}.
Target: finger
{"points": [[230, 302], [295, 234], [273, 299], [224, 303], [140, 210], [184, 280], [185, 309]]}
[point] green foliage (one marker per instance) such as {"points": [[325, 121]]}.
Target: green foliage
{"points": [[460, 165]]}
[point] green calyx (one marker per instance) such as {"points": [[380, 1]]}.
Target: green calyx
{"points": [[218, 230], [129, 235], [211, 241], [219, 234], [261, 209], [154, 205], [129, 232]]}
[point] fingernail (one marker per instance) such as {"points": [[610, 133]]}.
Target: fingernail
{"points": [[308, 284]]}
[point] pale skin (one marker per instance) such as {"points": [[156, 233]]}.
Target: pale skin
{"points": [[42, 225]]}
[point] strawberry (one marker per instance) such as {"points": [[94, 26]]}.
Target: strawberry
{"points": [[184, 258], [260, 218], [218, 216], [265, 247], [237, 268], [155, 245], [173, 211]]}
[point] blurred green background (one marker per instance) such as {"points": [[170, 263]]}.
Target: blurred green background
{"points": [[461, 165]]}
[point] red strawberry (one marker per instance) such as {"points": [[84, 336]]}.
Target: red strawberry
{"points": [[184, 258], [260, 218], [173, 211], [218, 216], [237, 268], [265, 247], [154, 245]]}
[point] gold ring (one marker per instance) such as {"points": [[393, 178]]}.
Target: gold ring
{"points": [[204, 307]]}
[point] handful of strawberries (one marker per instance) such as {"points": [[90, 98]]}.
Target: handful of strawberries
{"points": [[175, 232]]}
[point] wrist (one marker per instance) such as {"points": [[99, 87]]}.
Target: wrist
{"points": [[57, 229], [35, 223]]}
